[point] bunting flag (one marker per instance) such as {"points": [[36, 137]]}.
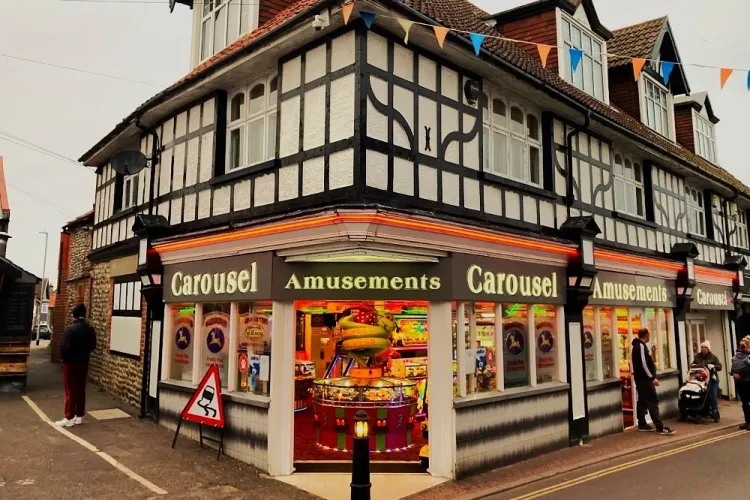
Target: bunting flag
{"points": [[575, 58], [440, 34], [368, 18], [666, 71], [724, 76], [406, 24], [347, 9], [544, 51], [748, 80], [638, 67], [477, 40]]}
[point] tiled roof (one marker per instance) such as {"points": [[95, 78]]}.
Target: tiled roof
{"points": [[81, 218], [634, 41], [4, 203]]}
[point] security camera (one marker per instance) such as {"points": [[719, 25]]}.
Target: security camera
{"points": [[321, 21]]}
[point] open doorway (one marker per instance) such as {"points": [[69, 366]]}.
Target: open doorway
{"points": [[364, 355]]}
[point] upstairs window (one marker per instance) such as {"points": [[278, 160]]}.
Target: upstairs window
{"points": [[705, 142], [696, 214], [130, 191], [222, 22], [740, 233], [512, 140], [590, 73], [628, 186], [657, 107], [252, 124]]}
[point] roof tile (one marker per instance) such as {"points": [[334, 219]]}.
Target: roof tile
{"points": [[637, 40]]}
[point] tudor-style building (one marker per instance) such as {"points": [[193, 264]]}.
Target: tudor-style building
{"points": [[552, 212]]}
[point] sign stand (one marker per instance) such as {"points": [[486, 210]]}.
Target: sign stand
{"points": [[205, 407]]}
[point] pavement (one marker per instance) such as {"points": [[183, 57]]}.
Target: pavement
{"points": [[127, 458]]}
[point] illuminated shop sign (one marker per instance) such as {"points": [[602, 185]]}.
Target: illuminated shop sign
{"points": [[712, 297], [628, 289]]}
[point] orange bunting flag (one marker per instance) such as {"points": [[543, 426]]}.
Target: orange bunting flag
{"points": [[638, 67], [347, 9], [544, 51], [725, 74], [440, 34], [407, 26]]}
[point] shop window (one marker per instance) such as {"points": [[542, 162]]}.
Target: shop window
{"points": [[215, 335], [515, 346], [660, 343], [254, 347], [182, 338], [606, 329], [590, 353]]}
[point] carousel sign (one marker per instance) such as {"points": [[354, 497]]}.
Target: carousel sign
{"points": [[712, 297]]}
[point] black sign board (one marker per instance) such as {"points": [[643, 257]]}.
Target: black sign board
{"points": [[616, 289], [715, 297], [16, 310]]}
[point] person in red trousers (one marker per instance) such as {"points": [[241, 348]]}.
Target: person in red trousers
{"points": [[78, 342]]}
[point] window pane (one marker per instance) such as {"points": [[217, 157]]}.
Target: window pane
{"points": [[220, 30], [254, 347], [589, 343], [606, 327], [238, 107], [271, 151], [485, 111], [566, 30], [244, 17], [257, 140], [545, 320], [534, 169], [620, 195], [515, 346], [532, 126], [499, 113], [499, 153], [485, 148], [517, 162], [485, 368], [637, 172], [639, 200], [207, 6], [588, 75], [206, 39], [256, 98], [666, 344], [235, 148], [598, 81], [273, 89], [183, 323], [216, 337], [233, 21], [516, 119]]}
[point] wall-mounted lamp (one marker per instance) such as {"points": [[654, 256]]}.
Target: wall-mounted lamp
{"points": [[582, 268], [685, 252]]}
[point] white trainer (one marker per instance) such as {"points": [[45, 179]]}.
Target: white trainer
{"points": [[65, 423], [77, 420]]}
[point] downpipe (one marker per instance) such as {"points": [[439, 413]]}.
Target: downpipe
{"points": [[569, 195]]}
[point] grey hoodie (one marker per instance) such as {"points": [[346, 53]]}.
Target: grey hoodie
{"points": [[741, 365]]}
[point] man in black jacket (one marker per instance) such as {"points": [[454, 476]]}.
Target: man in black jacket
{"points": [[78, 342], [644, 373]]}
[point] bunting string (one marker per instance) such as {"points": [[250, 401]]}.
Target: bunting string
{"points": [[665, 68]]}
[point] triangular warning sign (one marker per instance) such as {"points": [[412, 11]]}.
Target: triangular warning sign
{"points": [[205, 406]]}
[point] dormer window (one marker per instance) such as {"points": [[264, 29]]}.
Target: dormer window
{"points": [[222, 22], [657, 106], [590, 74], [705, 142], [628, 186]]}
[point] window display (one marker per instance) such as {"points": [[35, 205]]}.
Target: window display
{"points": [[515, 345], [216, 319], [183, 330], [589, 343], [254, 347], [605, 328]]}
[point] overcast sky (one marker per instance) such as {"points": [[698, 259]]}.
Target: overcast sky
{"points": [[67, 112]]}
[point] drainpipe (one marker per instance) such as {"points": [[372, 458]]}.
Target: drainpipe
{"points": [[569, 159], [155, 146]]}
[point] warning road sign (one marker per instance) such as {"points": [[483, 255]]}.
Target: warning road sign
{"points": [[205, 406]]}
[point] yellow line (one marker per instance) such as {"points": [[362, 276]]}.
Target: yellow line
{"points": [[104, 456], [617, 468]]}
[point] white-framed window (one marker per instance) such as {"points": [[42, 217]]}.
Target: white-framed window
{"points": [[740, 233], [705, 141], [251, 130], [222, 22], [657, 106], [696, 214], [130, 191], [628, 186], [45, 308], [591, 72], [512, 139]]}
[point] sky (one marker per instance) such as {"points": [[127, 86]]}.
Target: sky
{"points": [[67, 111]]}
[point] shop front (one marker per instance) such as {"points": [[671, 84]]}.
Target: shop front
{"points": [[456, 358], [709, 319], [620, 305]]}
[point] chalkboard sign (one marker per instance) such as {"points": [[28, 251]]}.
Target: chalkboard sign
{"points": [[16, 311]]}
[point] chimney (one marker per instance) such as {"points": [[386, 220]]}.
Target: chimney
{"points": [[4, 237]]}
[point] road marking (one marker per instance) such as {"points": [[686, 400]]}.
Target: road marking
{"points": [[611, 470], [104, 456]]}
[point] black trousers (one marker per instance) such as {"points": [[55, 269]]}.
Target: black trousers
{"points": [[743, 391], [647, 402]]}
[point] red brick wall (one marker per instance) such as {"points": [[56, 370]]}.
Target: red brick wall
{"points": [[61, 306], [540, 28], [683, 124], [623, 91], [269, 8]]}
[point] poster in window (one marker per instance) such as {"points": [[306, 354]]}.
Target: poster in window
{"points": [[255, 332], [546, 351], [183, 338], [515, 353], [589, 348], [254, 371], [216, 331]]}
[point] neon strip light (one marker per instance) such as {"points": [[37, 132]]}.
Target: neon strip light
{"points": [[387, 220], [717, 273], [641, 261]]}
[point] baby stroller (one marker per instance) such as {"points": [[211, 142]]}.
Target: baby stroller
{"points": [[693, 399]]}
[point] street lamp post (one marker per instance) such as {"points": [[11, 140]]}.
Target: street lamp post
{"points": [[361, 485], [41, 288]]}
